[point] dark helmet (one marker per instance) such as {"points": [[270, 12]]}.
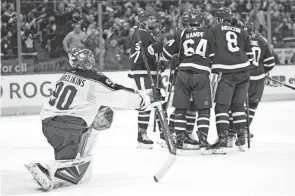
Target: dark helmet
{"points": [[142, 16], [81, 59], [195, 18], [224, 13], [251, 29]]}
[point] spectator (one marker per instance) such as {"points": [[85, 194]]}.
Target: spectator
{"points": [[8, 15], [62, 16], [125, 42], [92, 42], [277, 59], [74, 39], [28, 40]]}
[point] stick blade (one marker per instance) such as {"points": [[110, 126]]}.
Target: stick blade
{"points": [[165, 168]]}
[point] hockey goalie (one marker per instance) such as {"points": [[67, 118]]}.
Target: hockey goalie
{"points": [[78, 109]]}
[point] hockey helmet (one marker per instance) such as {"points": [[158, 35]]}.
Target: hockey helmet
{"points": [[142, 16], [81, 59], [195, 18], [224, 13], [251, 29]]}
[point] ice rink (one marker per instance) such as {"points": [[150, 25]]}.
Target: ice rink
{"points": [[268, 169]]}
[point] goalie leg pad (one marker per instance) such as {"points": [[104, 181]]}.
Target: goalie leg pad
{"points": [[88, 141]]}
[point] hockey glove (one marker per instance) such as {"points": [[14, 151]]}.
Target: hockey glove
{"points": [[150, 100], [158, 47], [103, 119], [175, 62]]}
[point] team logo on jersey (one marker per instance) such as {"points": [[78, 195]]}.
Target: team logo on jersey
{"points": [[254, 43]]}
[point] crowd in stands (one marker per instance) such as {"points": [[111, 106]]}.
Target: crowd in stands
{"points": [[49, 28]]}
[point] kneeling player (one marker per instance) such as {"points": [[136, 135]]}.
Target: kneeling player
{"points": [[261, 64], [73, 116]]}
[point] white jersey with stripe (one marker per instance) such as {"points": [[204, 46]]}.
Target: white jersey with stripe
{"points": [[81, 93]]}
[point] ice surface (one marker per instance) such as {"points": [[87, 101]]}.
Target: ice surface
{"points": [[268, 169]]}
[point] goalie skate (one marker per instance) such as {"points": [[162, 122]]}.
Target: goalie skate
{"points": [[44, 177], [144, 142]]}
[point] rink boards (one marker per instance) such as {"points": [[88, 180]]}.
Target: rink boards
{"points": [[25, 94]]}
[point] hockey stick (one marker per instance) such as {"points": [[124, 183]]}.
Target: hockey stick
{"points": [[159, 111], [286, 85], [247, 120]]}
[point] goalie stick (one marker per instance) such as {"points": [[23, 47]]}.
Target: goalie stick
{"points": [[159, 111]]}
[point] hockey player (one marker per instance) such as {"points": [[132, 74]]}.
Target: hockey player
{"points": [[151, 45], [231, 62], [73, 116], [262, 63], [169, 49], [192, 80]]}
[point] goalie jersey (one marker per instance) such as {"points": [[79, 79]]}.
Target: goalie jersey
{"points": [[81, 93], [194, 46], [263, 60]]}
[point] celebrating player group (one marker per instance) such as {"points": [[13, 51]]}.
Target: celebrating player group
{"points": [[221, 67]]}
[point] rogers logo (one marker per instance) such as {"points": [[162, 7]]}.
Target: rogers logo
{"points": [[275, 84], [27, 90]]}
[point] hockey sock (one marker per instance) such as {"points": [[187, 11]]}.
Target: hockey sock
{"points": [[179, 127], [143, 120], [180, 123], [239, 116], [190, 121], [252, 110], [203, 123], [171, 120], [222, 119], [231, 125], [158, 121]]}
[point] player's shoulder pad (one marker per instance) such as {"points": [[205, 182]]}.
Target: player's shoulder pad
{"points": [[97, 77]]}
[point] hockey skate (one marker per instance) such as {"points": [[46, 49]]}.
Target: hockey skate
{"points": [[219, 147], [162, 141], [190, 143], [43, 174], [205, 147], [241, 140], [231, 139], [144, 141]]}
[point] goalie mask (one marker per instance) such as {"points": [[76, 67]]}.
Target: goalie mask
{"points": [[81, 59], [103, 119]]}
